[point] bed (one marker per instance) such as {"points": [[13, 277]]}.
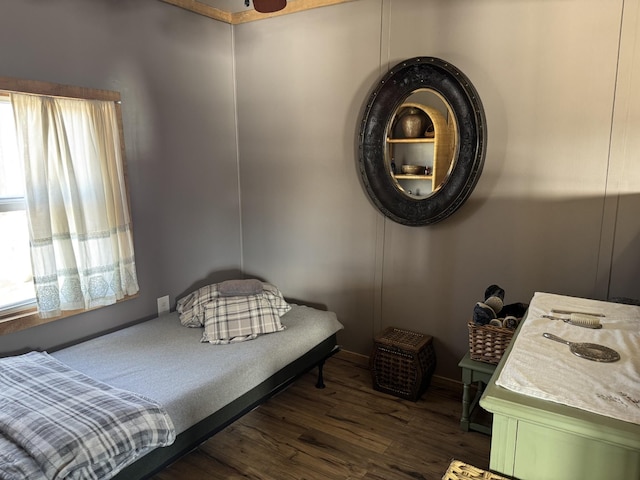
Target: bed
{"points": [[202, 387]]}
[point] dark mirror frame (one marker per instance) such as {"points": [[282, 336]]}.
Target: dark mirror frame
{"points": [[396, 86]]}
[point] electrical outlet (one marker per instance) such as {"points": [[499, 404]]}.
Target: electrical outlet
{"points": [[163, 305]]}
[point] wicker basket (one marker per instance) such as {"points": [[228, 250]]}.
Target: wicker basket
{"points": [[461, 471], [402, 363], [487, 343]]}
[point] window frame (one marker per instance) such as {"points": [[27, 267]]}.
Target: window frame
{"points": [[29, 317]]}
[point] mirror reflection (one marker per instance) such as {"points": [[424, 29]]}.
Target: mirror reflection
{"points": [[421, 144], [422, 141]]}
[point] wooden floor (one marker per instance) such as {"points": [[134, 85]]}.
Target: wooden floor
{"points": [[345, 431]]}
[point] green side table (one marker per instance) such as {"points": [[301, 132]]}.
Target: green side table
{"points": [[479, 373]]}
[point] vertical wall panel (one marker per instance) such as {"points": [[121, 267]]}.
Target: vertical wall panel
{"points": [[624, 174], [307, 225], [546, 73]]}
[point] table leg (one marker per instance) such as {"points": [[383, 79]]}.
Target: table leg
{"points": [[464, 421]]}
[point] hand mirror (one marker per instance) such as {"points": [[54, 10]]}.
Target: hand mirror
{"points": [[590, 351]]}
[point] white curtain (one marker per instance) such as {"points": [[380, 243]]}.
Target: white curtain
{"points": [[80, 229]]}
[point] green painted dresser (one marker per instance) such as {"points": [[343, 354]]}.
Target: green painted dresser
{"points": [[535, 439]]}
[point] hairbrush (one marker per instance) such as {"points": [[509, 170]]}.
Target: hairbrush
{"points": [[579, 319]]}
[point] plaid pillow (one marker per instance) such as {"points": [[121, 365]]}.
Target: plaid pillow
{"points": [[192, 307], [276, 299], [236, 319]]}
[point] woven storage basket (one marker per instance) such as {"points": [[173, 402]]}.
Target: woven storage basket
{"points": [[461, 471], [402, 363], [487, 343]]}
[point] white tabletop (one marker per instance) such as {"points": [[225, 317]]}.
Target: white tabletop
{"points": [[541, 368]]}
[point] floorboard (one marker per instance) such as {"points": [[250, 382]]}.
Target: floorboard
{"points": [[346, 431]]}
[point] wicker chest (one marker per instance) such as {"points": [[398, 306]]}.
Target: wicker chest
{"points": [[402, 362], [461, 471]]}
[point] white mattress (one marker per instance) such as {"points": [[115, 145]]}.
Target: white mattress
{"points": [[166, 362], [545, 369]]}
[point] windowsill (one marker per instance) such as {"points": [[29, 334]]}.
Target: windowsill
{"points": [[31, 318]]}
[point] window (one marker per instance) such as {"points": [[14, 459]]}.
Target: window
{"points": [[66, 243], [16, 280]]}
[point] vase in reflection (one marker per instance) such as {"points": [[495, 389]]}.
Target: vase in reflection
{"points": [[413, 123]]}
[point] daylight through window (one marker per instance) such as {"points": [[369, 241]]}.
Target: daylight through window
{"points": [[16, 279]]}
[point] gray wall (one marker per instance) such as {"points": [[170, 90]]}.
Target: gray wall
{"points": [[546, 214], [174, 70], [555, 209], [307, 223]]}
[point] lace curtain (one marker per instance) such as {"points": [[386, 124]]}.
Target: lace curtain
{"points": [[79, 224]]}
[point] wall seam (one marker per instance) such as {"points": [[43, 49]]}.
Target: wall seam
{"points": [[381, 220], [237, 144]]}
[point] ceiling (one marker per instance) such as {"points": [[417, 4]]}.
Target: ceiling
{"points": [[231, 6], [235, 11]]}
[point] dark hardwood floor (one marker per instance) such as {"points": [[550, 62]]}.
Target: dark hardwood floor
{"points": [[345, 431]]}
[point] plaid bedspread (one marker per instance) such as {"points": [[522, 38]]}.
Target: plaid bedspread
{"points": [[57, 423]]}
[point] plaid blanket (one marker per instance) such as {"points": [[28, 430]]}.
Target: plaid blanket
{"points": [[57, 423]]}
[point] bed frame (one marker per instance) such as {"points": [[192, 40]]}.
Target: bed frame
{"points": [[186, 441]]}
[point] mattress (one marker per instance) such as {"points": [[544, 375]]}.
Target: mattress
{"points": [[166, 362]]}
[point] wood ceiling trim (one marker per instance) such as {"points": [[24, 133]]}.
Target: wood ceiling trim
{"points": [[250, 15], [202, 9], [292, 7]]}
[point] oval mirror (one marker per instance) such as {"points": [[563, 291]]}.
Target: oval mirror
{"points": [[422, 141]]}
